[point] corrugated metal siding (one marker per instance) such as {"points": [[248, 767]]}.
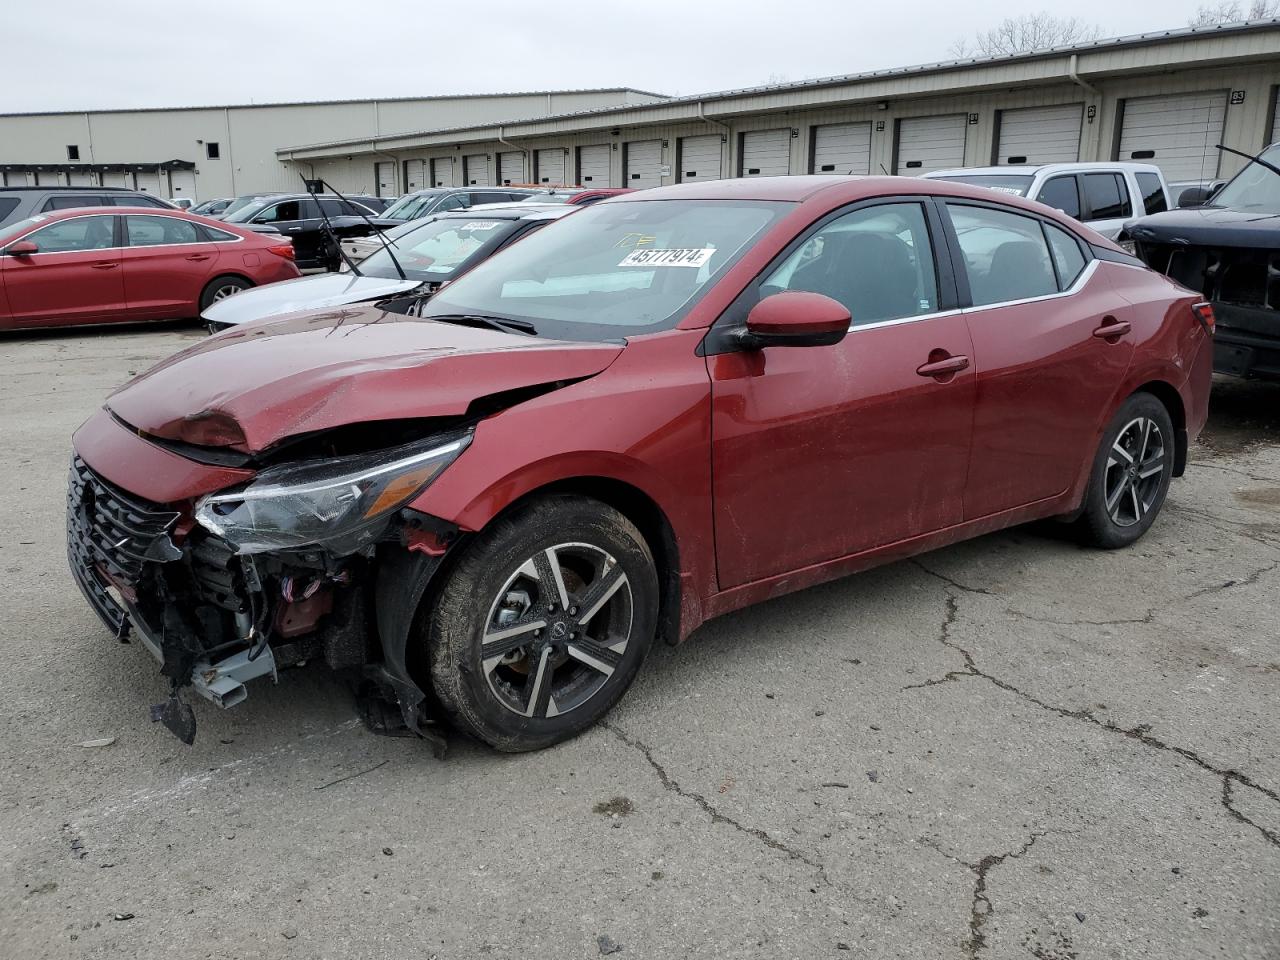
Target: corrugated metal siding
{"points": [[698, 159], [442, 172], [765, 153], [1040, 134], [930, 143], [841, 148], [1177, 133], [475, 169], [549, 166], [642, 164], [510, 167], [593, 165]]}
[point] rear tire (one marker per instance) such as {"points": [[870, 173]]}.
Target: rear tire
{"points": [[543, 623], [219, 288], [1131, 474]]}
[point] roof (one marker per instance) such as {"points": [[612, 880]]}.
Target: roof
{"points": [[509, 211], [327, 103], [1031, 169], [925, 69]]}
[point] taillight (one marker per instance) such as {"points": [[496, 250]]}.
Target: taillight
{"points": [[1204, 313], [283, 250]]}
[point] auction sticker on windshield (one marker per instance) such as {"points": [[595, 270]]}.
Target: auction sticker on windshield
{"points": [[686, 257], [481, 225]]}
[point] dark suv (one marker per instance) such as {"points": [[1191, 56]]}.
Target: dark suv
{"points": [[301, 216], [18, 203]]}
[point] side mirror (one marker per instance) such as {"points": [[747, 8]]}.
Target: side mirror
{"points": [[796, 318], [23, 248], [1194, 197]]}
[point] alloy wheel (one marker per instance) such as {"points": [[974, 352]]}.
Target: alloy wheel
{"points": [[1136, 464], [557, 630], [226, 290]]}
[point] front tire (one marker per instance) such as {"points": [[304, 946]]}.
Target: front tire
{"points": [[1131, 474], [543, 623]]}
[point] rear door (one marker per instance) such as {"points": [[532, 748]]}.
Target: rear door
{"points": [[166, 264], [298, 219], [855, 446], [1046, 370], [74, 278], [1107, 201]]}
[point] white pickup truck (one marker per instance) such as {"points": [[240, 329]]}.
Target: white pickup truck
{"points": [[1103, 195]]}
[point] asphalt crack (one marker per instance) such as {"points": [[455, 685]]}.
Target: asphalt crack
{"points": [[981, 591], [980, 909], [1140, 733], [671, 784]]}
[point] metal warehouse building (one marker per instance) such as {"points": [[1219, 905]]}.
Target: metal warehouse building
{"points": [[225, 151], [1165, 98]]}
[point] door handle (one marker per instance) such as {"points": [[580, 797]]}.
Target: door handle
{"points": [[198, 256], [105, 265], [946, 367], [1111, 329], [294, 229]]}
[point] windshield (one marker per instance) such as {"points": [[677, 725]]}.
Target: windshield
{"points": [[435, 250], [410, 207], [611, 270], [1255, 188], [1001, 183], [235, 206]]}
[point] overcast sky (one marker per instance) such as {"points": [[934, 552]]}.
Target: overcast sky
{"points": [[87, 54]]}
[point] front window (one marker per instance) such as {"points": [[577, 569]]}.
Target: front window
{"points": [[240, 203], [434, 251], [410, 207], [612, 270], [72, 236], [1001, 183], [1255, 188]]}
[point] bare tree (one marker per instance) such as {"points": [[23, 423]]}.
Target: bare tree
{"points": [[1232, 11], [1031, 31]]}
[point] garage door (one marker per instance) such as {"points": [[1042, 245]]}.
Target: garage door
{"points": [[182, 183], [765, 153], [384, 175], [1040, 135], [116, 180], [930, 143], [642, 164], [549, 166], [442, 172], [593, 165], [699, 159], [842, 148], [1176, 133], [149, 182], [510, 168], [475, 169], [84, 178], [415, 175]]}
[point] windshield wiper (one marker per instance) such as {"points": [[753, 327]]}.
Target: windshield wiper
{"points": [[493, 323], [1251, 158]]}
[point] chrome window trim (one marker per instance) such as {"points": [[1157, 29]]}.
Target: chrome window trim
{"points": [[85, 216], [896, 321]]}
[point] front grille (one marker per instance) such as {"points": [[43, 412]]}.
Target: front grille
{"points": [[108, 535]]}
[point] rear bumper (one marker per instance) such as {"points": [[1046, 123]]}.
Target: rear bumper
{"points": [[1246, 341]]}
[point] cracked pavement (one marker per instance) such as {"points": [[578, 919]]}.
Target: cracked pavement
{"points": [[1011, 748]]}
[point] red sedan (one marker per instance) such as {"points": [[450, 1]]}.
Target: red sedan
{"points": [[665, 407], [120, 264]]}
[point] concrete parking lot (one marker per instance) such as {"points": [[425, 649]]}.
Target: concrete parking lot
{"points": [[1010, 748]]}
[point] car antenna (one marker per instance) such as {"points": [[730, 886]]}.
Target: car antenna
{"points": [[328, 227], [376, 232], [883, 170], [1250, 157]]}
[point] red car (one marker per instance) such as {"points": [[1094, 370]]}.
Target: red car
{"points": [[120, 264], [665, 407]]}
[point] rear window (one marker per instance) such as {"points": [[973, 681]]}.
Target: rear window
{"points": [[75, 201], [1153, 198], [219, 235], [7, 206], [1107, 195], [1013, 185], [1061, 193]]}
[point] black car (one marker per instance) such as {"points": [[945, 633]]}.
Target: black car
{"points": [[301, 217], [18, 203], [1227, 246]]}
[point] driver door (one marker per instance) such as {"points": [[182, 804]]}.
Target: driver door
{"points": [[75, 276], [823, 452]]}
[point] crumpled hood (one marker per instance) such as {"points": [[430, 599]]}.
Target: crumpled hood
{"points": [[250, 387], [1208, 227], [304, 293]]}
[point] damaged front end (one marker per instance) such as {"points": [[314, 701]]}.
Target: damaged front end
{"points": [[311, 559]]}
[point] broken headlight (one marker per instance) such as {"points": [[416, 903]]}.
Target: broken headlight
{"points": [[341, 504]]}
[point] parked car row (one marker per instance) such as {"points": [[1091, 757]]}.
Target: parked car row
{"points": [[490, 506]]}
